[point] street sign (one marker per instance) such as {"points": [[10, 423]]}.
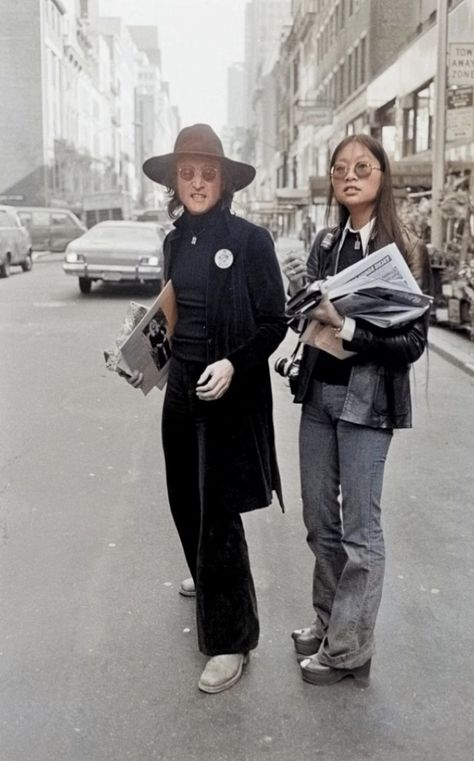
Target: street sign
{"points": [[459, 116], [460, 97], [307, 112], [461, 63]]}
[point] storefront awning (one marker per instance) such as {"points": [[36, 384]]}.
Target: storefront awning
{"points": [[411, 174], [295, 196]]}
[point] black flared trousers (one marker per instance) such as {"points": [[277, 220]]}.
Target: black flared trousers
{"points": [[212, 536]]}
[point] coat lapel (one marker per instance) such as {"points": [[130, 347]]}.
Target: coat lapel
{"points": [[221, 276]]}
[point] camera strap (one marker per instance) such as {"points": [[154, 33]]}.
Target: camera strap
{"points": [[296, 351]]}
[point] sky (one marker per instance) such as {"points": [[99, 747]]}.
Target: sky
{"points": [[199, 40]]}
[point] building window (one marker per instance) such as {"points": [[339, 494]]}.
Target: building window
{"points": [[424, 106], [357, 126], [350, 73], [418, 121], [332, 91], [296, 76], [385, 127], [362, 59], [408, 131]]}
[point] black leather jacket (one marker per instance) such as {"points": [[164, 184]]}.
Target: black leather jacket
{"points": [[378, 394]]}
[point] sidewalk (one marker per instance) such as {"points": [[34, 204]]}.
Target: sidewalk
{"points": [[455, 347]]}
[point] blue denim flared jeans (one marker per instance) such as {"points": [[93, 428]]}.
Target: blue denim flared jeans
{"points": [[342, 467]]}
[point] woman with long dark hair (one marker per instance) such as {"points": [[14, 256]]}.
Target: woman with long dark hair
{"points": [[350, 408]]}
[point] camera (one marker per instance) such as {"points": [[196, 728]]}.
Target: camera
{"points": [[288, 367]]}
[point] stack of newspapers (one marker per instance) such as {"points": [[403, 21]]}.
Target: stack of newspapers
{"points": [[379, 289]]}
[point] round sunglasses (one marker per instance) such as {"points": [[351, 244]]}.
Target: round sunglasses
{"points": [[362, 170], [207, 173]]}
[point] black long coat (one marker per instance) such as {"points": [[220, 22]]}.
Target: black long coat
{"points": [[245, 323]]}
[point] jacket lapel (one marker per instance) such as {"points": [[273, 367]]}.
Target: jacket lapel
{"points": [[224, 240]]}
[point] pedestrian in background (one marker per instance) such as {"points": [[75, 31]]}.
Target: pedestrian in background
{"points": [[350, 408], [217, 426], [308, 230]]}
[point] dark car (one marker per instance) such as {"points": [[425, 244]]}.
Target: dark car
{"points": [[51, 229], [15, 242], [117, 252]]}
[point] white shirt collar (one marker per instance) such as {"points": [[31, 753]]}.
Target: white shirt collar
{"points": [[364, 232]]}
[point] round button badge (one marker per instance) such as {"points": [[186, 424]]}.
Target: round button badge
{"points": [[224, 258]]}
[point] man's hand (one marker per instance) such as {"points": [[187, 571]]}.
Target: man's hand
{"points": [[327, 314], [215, 380], [294, 267], [135, 379]]}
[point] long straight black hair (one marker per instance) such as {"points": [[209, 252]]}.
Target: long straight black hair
{"points": [[387, 226]]}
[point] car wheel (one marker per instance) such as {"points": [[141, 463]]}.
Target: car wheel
{"points": [[156, 285], [5, 267], [28, 263], [85, 284]]}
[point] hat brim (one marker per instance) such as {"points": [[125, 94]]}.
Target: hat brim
{"points": [[160, 168]]}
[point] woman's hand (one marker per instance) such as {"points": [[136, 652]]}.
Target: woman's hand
{"points": [[215, 380], [327, 314], [135, 379], [294, 268]]}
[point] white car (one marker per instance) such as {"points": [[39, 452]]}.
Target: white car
{"points": [[117, 252], [15, 242]]}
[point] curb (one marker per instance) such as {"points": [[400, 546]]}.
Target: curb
{"points": [[38, 255], [452, 358]]}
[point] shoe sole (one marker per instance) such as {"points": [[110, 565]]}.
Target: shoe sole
{"points": [[184, 593], [302, 656], [307, 648], [360, 675], [213, 690]]}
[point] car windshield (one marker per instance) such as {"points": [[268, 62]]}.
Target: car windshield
{"points": [[107, 233]]}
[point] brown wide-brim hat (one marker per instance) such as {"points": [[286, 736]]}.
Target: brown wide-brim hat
{"points": [[198, 140]]}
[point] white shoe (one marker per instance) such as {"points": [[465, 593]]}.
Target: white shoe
{"points": [[222, 672], [187, 588]]}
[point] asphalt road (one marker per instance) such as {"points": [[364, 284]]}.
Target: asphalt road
{"points": [[98, 657]]}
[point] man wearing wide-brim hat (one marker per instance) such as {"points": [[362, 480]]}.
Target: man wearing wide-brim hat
{"points": [[217, 426]]}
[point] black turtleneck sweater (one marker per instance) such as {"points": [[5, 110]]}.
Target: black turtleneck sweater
{"points": [[189, 273]]}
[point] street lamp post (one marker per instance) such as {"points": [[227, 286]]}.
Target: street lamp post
{"points": [[439, 140]]}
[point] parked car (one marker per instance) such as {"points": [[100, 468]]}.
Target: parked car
{"points": [[156, 215], [15, 242], [107, 204], [117, 252], [51, 229]]}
